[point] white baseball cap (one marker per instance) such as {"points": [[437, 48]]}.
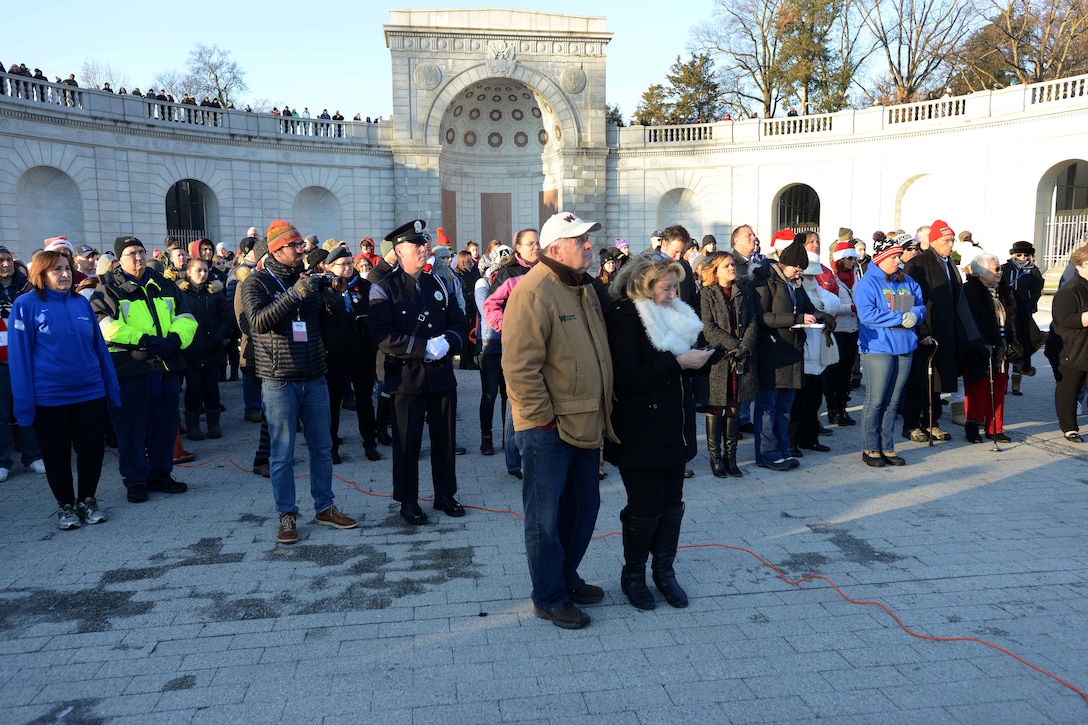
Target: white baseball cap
{"points": [[564, 225]]}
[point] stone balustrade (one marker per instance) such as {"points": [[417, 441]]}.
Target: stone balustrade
{"points": [[137, 111], [879, 119]]}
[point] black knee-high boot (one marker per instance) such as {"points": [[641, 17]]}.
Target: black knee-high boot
{"points": [[664, 551], [732, 435], [638, 534], [713, 444]]}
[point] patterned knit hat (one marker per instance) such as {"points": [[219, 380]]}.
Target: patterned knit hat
{"points": [[281, 233], [884, 248]]}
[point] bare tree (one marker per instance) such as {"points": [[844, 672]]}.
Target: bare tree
{"points": [[175, 84], [93, 73], [744, 37], [214, 73], [1042, 39], [919, 39]]}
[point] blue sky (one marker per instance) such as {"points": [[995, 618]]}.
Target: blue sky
{"points": [[315, 55]]}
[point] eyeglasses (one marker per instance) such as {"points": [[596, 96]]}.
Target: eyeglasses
{"points": [[1025, 255], [295, 245]]}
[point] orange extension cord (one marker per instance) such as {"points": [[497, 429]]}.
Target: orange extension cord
{"points": [[757, 557]]}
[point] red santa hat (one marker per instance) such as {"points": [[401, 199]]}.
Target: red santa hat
{"points": [[843, 249]]}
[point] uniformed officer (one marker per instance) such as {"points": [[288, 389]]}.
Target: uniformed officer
{"points": [[418, 325]]}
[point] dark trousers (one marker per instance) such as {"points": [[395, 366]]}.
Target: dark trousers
{"points": [[146, 425], [62, 428], [201, 388], [805, 412], [837, 376], [360, 371], [1066, 391], [652, 490], [409, 412], [251, 389], [492, 385]]}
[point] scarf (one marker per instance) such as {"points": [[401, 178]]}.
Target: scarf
{"points": [[671, 328]]}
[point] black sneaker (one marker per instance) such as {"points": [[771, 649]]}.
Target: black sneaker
{"points": [[137, 493], [565, 615], [165, 483]]}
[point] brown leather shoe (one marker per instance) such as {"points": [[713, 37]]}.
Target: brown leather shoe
{"points": [[288, 533], [565, 615], [332, 517], [585, 594]]}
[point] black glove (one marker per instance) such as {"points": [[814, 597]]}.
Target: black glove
{"points": [[171, 344], [741, 353], [305, 287], [156, 346]]}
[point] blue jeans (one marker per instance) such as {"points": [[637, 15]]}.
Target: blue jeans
{"points": [[28, 443], [285, 404], [561, 495], [146, 425], [775, 404], [885, 376], [251, 390]]}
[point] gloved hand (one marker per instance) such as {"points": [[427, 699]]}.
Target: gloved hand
{"points": [[741, 353], [152, 344], [171, 344], [305, 287], [437, 347], [909, 320]]}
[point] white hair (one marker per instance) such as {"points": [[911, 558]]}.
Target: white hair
{"points": [[981, 263]]}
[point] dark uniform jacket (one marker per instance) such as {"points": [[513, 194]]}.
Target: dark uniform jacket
{"points": [[402, 320], [271, 312]]}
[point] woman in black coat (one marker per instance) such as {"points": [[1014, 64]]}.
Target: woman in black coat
{"points": [[729, 320], [989, 352], [1069, 315], [650, 335], [782, 304], [207, 354], [1026, 282]]}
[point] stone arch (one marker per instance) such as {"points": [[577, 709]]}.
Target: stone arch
{"points": [[48, 204], [550, 91], [215, 184], [797, 206], [316, 210], [192, 211], [679, 206], [1061, 211], [916, 199]]}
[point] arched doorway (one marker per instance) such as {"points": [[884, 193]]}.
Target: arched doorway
{"points": [[679, 206], [500, 168], [49, 205], [1061, 211], [798, 209], [192, 211], [316, 210]]}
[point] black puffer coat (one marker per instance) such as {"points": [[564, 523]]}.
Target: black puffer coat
{"points": [[271, 313], [1069, 303], [345, 332], [208, 305], [716, 325]]}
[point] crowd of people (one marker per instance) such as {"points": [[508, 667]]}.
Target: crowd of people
{"points": [[586, 369], [199, 114]]}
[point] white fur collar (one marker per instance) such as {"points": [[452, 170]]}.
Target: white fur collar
{"points": [[674, 328]]}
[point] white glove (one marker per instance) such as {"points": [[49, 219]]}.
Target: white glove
{"points": [[909, 320], [437, 347]]}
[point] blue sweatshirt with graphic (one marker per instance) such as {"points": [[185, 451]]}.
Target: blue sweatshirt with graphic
{"points": [[880, 326], [56, 354]]}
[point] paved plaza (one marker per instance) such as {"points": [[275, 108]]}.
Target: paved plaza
{"points": [[186, 610]]}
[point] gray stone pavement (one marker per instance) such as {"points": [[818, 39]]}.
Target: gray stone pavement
{"points": [[185, 610]]}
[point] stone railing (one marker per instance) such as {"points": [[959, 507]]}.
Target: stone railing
{"points": [[138, 111], [948, 110]]}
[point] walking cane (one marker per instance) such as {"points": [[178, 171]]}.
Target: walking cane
{"points": [[929, 391], [993, 407]]}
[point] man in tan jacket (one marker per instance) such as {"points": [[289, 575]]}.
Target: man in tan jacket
{"points": [[559, 378]]}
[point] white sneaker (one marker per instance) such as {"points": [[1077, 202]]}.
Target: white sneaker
{"points": [[38, 466], [4, 474]]}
